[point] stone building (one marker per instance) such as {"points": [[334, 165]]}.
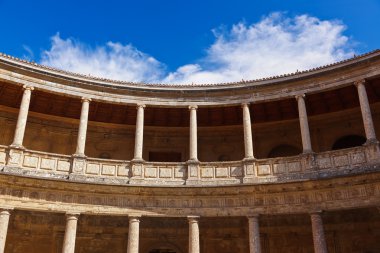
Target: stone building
{"points": [[283, 164]]}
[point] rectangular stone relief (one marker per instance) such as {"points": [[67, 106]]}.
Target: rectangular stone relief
{"points": [[93, 168], [221, 172], [165, 172], [30, 161], [294, 167], [263, 169], [249, 169], [279, 168], [358, 158], [341, 160], [236, 171], [179, 172], [137, 170], [193, 170], [108, 169], [2, 157], [14, 157], [63, 166], [207, 172], [122, 170], [324, 162], [150, 172], [47, 164]]}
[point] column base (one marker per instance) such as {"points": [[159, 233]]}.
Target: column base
{"points": [[78, 164], [308, 160], [248, 165], [193, 173], [372, 149], [136, 173], [15, 155], [17, 146]]}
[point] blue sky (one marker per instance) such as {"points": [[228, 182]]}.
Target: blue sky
{"points": [[188, 41]]}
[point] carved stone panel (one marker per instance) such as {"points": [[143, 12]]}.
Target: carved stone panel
{"points": [[294, 166], [122, 170], [93, 168], [108, 169], [15, 157], [47, 164], [341, 160], [263, 169], [324, 162], [207, 172], [165, 172], [249, 168], [2, 156], [236, 171], [150, 172], [179, 172], [221, 172], [279, 168], [358, 158], [30, 161], [63, 166]]}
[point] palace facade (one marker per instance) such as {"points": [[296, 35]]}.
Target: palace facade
{"points": [[283, 164]]}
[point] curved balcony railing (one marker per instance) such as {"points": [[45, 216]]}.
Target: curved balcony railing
{"points": [[121, 172]]}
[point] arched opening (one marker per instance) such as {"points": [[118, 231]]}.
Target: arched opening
{"points": [[162, 251], [284, 150], [349, 141]]}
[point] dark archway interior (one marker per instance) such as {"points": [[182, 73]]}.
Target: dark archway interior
{"points": [[349, 141], [284, 150]]}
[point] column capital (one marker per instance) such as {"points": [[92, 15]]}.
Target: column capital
{"points": [[303, 95], [72, 215], [134, 217], [84, 99], [193, 107], [28, 87], [243, 105], [359, 82], [316, 211], [6, 211], [140, 106], [193, 218], [255, 215]]}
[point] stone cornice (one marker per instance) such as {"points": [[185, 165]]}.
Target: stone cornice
{"points": [[332, 76], [299, 197]]}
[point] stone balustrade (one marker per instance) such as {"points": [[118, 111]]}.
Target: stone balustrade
{"points": [[255, 171]]}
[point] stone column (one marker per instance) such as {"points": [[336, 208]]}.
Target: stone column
{"points": [[133, 234], [304, 125], [248, 146], [4, 220], [22, 117], [82, 132], [193, 133], [366, 111], [318, 233], [139, 133], [70, 233], [193, 234], [254, 234]]}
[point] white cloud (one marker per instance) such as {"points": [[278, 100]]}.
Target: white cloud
{"points": [[114, 60], [275, 45]]}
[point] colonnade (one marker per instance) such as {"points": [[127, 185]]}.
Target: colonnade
{"points": [[319, 239], [193, 147]]}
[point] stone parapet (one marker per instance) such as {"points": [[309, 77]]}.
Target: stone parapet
{"points": [[254, 171]]}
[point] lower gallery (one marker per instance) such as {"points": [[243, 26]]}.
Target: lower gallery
{"points": [[283, 164]]}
